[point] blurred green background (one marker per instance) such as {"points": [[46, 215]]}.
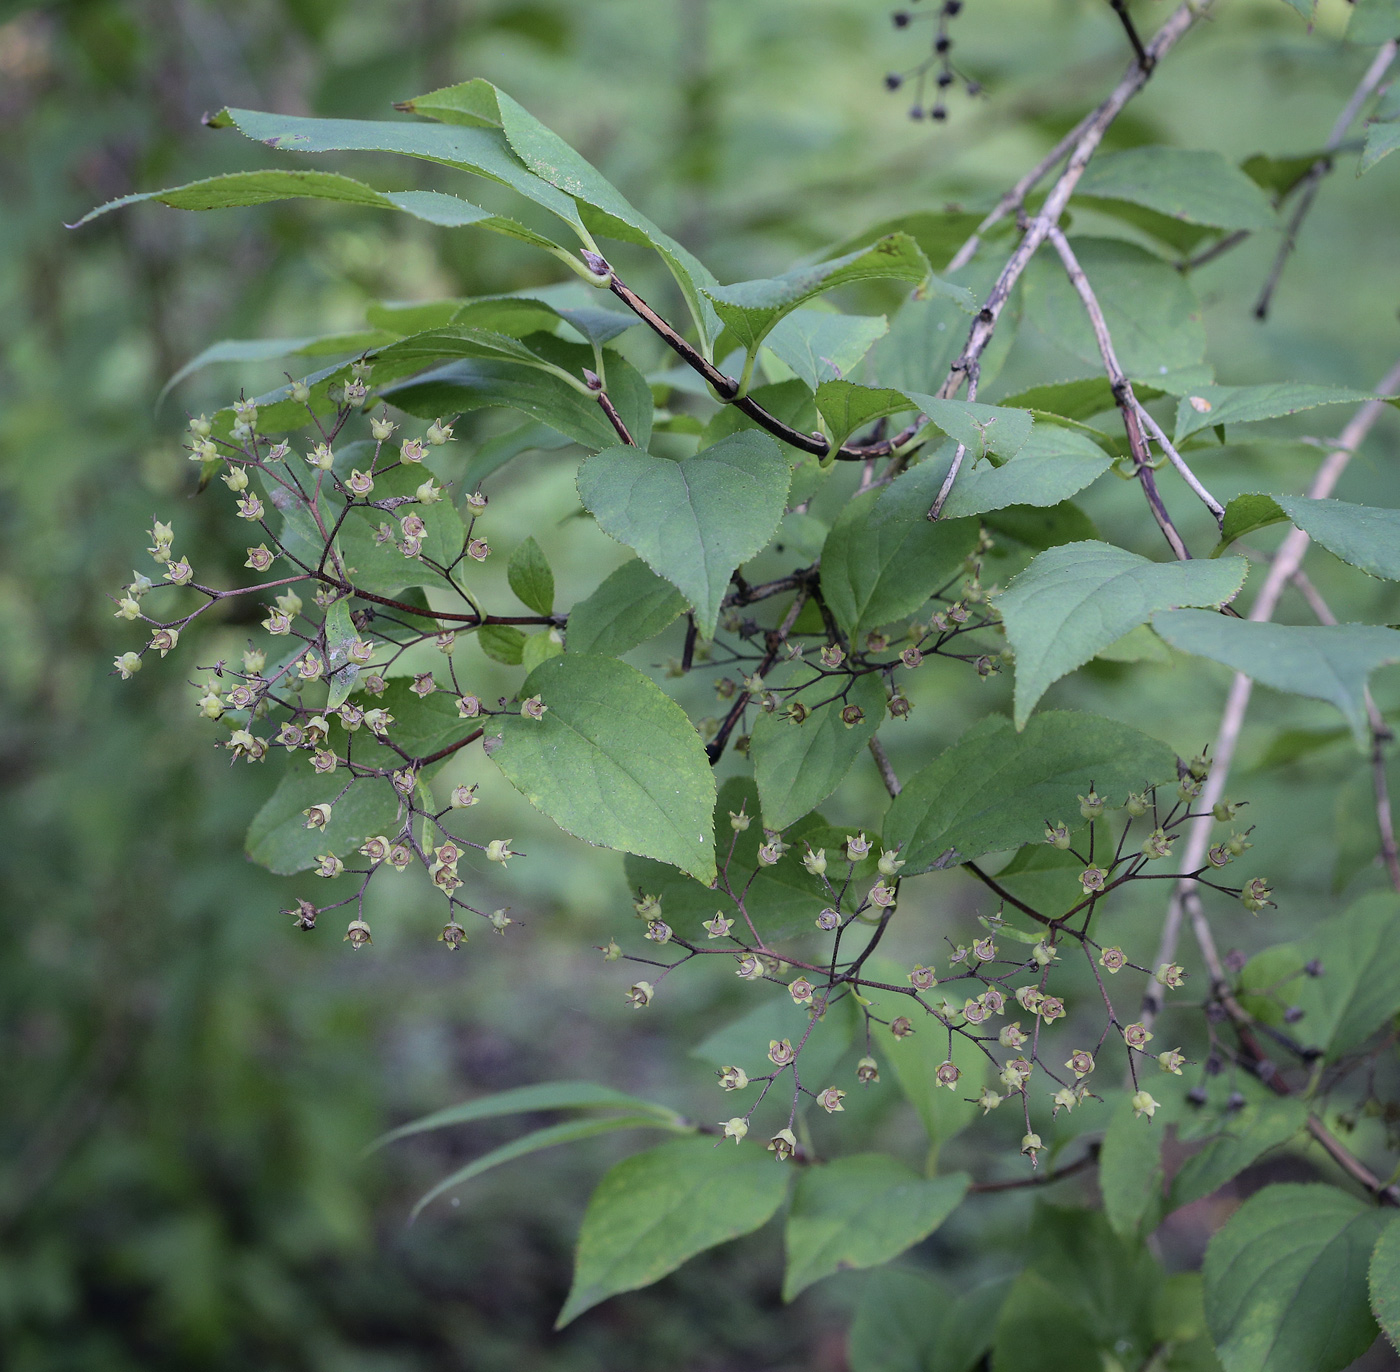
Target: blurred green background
{"points": [[186, 1084]]}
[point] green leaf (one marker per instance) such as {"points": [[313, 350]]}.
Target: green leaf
{"points": [[1042, 528], [917, 1057], [982, 429], [1086, 1300], [995, 788], [1211, 405], [278, 838], [614, 762], [846, 407], [750, 309], [483, 151], [909, 1321], [1246, 514], [1359, 989], [492, 455], [861, 1211], [570, 1131], [502, 643], [744, 1042], [1381, 140], [1385, 1281], [656, 1209], [1074, 600], [340, 634], [1249, 1133], [1363, 535], [1193, 187], [522, 1100], [1285, 1281], [540, 647], [1304, 7], [1328, 662], [821, 346], [883, 557], [1137, 645], [1053, 465], [797, 766], [1372, 21], [530, 577], [1130, 1171], [473, 385], [1078, 400], [694, 521], [1151, 311], [601, 205], [631, 606], [1279, 175], [381, 568]]}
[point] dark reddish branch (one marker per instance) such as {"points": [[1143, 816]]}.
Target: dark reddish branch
{"points": [[418, 610], [1089, 1159], [450, 749]]}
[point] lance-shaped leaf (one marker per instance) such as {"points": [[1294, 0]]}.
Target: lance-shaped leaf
{"points": [[1285, 1281], [692, 521], [656, 1209], [631, 606], [263, 187], [614, 762], [531, 578], [750, 309], [996, 788], [861, 1211], [601, 206], [1364, 535], [883, 557], [1080, 597], [1211, 405], [342, 673], [797, 766], [482, 151], [1248, 1134], [1054, 463], [1327, 662], [909, 1321]]}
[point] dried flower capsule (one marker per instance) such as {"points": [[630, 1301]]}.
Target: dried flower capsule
{"points": [[1081, 1062], [1029, 997], [318, 816], [499, 850], [1050, 1009], [923, 978], [1171, 975], [1012, 1036], [1255, 895], [732, 1078], [453, 935], [749, 968], [639, 995], [900, 1026], [881, 896], [830, 1100], [718, 927], [658, 931], [832, 656], [329, 865], [357, 935], [867, 1071], [1137, 1036], [533, 708], [783, 1144], [1057, 836], [947, 1075], [1112, 960], [463, 797], [851, 715], [984, 949], [1171, 1061], [993, 999], [801, 991], [1091, 806], [1092, 879], [857, 847], [828, 920]]}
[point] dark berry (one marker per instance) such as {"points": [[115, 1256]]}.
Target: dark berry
{"points": [[945, 79], [942, 43], [900, 18], [1313, 968], [917, 112], [893, 81], [1293, 1014], [1235, 1101], [1197, 1095], [939, 113], [952, 8]]}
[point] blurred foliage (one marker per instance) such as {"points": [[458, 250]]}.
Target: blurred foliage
{"points": [[185, 1083]]}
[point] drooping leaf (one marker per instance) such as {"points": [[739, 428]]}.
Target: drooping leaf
{"points": [[982, 429], [600, 205], [656, 1209], [692, 521], [1359, 989], [1384, 1281], [342, 673], [821, 346], [631, 606], [530, 577], [540, 647], [521, 1100], [750, 309], [883, 557], [996, 788], [1192, 187], [1249, 1133], [1041, 528], [1246, 514], [797, 766], [1076, 599], [1285, 1281], [861, 1211], [483, 151], [614, 762], [1366, 536], [939, 233], [1325, 662], [472, 385], [1212, 405], [846, 407], [1151, 311], [909, 1321], [570, 1131], [1130, 1171], [1053, 465]]}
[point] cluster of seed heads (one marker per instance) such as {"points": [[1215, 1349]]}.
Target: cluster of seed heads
{"points": [[937, 68]]}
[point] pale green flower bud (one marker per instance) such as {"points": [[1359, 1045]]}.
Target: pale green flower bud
{"points": [[128, 664], [735, 1128]]}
